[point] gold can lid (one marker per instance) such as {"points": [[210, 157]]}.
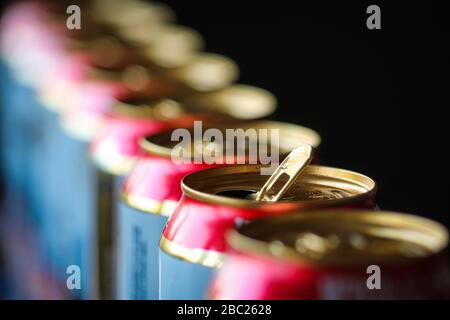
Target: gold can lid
{"points": [[341, 237], [238, 101], [138, 79], [157, 108], [317, 187], [105, 74], [222, 103], [109, 51], [206, 72], [131, 13], [142, 35], [290, 135], [171, 46]]}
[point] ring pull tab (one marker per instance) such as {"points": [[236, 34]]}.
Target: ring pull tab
{"points": [[294, 164]]}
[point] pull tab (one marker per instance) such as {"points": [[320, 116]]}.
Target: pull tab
{"points": [[294, 164]]}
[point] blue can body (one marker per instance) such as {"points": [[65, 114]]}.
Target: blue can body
{"points": [[109, 186], [51, 173], [62, 180], [138, 268], [68, 211], [182, 280], [20, 127]]}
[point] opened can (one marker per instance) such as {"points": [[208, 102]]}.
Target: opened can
{"points": [[82, 88], [145, 209], [217, 199], [138, 279]]}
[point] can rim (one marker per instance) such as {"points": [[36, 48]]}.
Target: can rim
{"points": [[147, 205], [207, 258], [119, 165], [153, 144], [233, 99], [206, 72], [97, 73], [347, 175], [81, 126], [248, 245], [141, 107]]}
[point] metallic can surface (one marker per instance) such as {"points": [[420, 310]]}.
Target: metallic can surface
{"points": [[105, 215], [84, 94], [33, 48], [138, 239], [89, 94], [68, 194], [20, 115], [22, 125], [327, 255], [27, 44], [59, 166], [213, 202], [114, 152], [158, 169], [61, 218], [62, 167], [186, 281]]}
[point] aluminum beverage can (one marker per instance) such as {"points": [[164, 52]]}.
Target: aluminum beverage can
{"points": [[73, 229], [215, 200], [107, 109], [114, 151], [70, 227], [44, 59], [335, 254], [146, 208], [21, 113], [32, 48], [62, 168]]}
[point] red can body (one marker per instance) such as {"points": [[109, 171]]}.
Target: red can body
{"points": [[278, 280], [215, 220], [151, 171], [252, 275]]}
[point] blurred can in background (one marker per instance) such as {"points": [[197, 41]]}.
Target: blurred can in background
{"points": [[154, 107], [21, 25], [19, 132], [88, 71], [145, 208], [63, 168], [335, 254], [217, 199], [71, 224], [114, 152], [32, 46]]}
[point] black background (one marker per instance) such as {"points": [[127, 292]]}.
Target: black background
{"points": [[373, 95]]}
